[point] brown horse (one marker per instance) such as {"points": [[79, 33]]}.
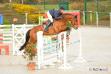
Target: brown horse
{"points": [[57, 27]]}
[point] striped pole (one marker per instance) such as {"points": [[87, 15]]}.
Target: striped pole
{"points": [[65, 64]]}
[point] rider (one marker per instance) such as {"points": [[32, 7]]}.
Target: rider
{"points": [[53, 14]]}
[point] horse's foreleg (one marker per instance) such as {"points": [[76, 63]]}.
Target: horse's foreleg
{"points": [[33, 41], [33, 37]]}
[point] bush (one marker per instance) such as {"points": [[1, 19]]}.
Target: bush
{"points": [[23, 8], [34, 17]]}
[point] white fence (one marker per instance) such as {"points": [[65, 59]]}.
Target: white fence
{"points": [[14, 36], [57, 53], [49, 51]]}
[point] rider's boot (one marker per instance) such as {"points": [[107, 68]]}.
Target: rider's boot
{"points": [[48, 25]]}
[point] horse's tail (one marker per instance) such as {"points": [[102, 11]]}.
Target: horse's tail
{"points": [[27, 39]]}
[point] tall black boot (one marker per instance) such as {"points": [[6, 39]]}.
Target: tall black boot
{"points": [[48, 25]]}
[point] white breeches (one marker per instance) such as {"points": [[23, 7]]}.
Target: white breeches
{"points": [[49, 16]]}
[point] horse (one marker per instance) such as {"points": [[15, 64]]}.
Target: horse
{"points": [[58, 26]]}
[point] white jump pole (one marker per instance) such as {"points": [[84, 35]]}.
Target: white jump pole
{"points": [[65, 65], [80, 59], [39, 47]]}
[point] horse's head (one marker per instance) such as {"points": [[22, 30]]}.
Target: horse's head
{"points": [[72, 19]]}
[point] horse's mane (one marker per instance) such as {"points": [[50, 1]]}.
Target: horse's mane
{"points": [[68, 14], [65, 14]]}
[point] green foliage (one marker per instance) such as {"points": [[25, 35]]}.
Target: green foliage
{"points": [[34, 17], [5, 21], [23, 8], [30, 9]]}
